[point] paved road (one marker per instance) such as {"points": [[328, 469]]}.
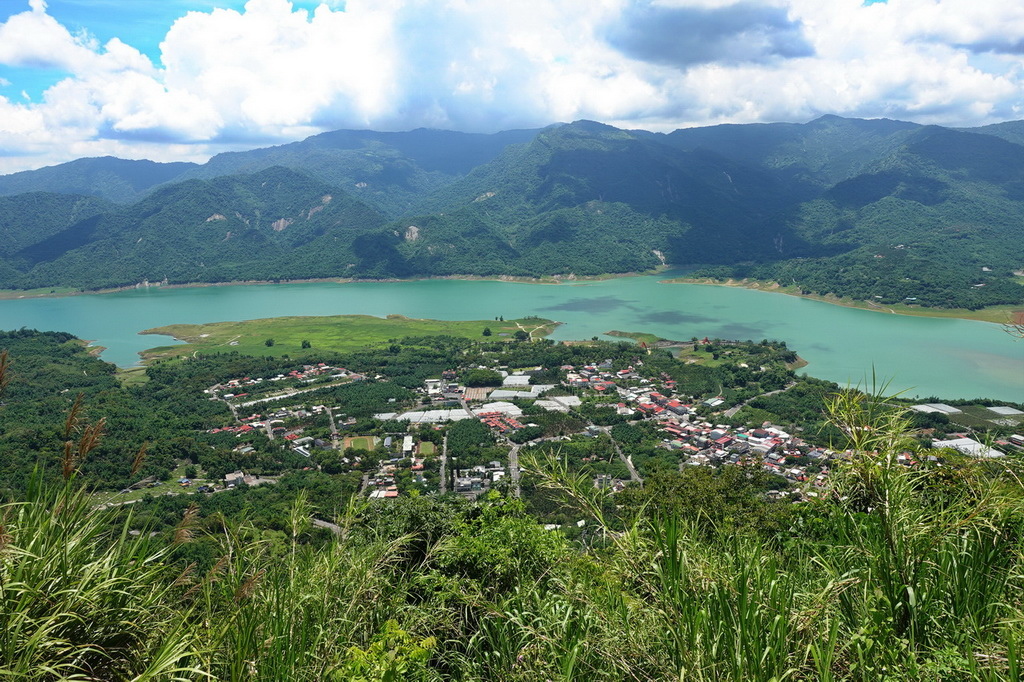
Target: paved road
{"points": [[513, 469], [291, 392], [234, 410], [333, 527], [334, 428], [443, 488], [625, 460], [733, 410]]}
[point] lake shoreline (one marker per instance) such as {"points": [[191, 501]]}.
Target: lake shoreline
{"points": [[18, 294], [992, 314], [951, 358]]}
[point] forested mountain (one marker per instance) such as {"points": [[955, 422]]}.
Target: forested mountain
{"points": [[113, 179], [827, 150], [936, 222], [873, 209], [27, 219], [587, 198], [1012, 131], [273, 224], [392, 172]]}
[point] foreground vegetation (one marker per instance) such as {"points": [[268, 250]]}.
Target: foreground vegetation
{"points": [[901, 573], [896, 572]]}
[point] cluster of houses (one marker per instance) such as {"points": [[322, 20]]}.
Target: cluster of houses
{"points": [[701, 443], [599, 377], [235, 388], [443, 390], [382, 484], [273, 424], [500, 421], [777, 452], [697, 441], [475, 480]]}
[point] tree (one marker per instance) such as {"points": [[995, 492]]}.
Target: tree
{"points": [[306, 343], [481, 377], [521, 335], [487, 331], [268, 343], [1015, 327]]}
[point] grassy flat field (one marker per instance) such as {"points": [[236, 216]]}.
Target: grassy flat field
{"points": [[32, 293], [132, 376], [331, 333]]}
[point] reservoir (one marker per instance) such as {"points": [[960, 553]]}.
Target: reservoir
{"points": [[922, 356]]}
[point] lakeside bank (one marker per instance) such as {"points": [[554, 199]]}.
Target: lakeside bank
{"points": [[1001, 314], [926, 356], [62, 292]]}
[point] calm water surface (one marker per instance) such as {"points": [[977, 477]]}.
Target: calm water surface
{"points": [[925, 356]]}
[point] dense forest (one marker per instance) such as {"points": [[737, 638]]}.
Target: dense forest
{"points": [[875, 210]]}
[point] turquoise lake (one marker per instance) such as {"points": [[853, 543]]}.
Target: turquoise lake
{"points": [[922, 356]]}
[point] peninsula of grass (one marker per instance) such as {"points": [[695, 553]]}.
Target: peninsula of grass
{"points": [[998, 314], [693, 353], [639, 337], [278, 336]]}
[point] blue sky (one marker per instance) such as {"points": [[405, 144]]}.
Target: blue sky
{"points": [[184, 79]]}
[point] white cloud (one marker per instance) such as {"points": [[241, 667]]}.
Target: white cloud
{"points": [[35, 39], [273, 72]]}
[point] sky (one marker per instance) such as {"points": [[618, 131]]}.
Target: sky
{"points": [[181, 80]]}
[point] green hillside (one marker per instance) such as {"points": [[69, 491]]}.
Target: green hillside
{"points": [[934, 223], [587, 198], [30, 218], [273, 224], [825, 151]]}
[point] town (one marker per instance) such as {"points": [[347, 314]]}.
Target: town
{"points": [[467, 429]]}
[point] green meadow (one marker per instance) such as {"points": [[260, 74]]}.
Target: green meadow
{"points": [[329, 333]]}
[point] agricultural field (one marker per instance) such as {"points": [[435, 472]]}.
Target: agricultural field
{"points": [[286, 335]]}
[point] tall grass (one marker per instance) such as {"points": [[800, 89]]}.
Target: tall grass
{"points": [[80, 602], [910, 575]]}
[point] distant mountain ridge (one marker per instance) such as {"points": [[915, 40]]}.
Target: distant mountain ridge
{"points": [[106, 177], [879, 210]]}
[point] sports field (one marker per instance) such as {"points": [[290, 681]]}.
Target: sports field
{"points": [[361, 442]]}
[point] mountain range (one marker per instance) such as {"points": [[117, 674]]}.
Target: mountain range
{"points": [[877, 210]]}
